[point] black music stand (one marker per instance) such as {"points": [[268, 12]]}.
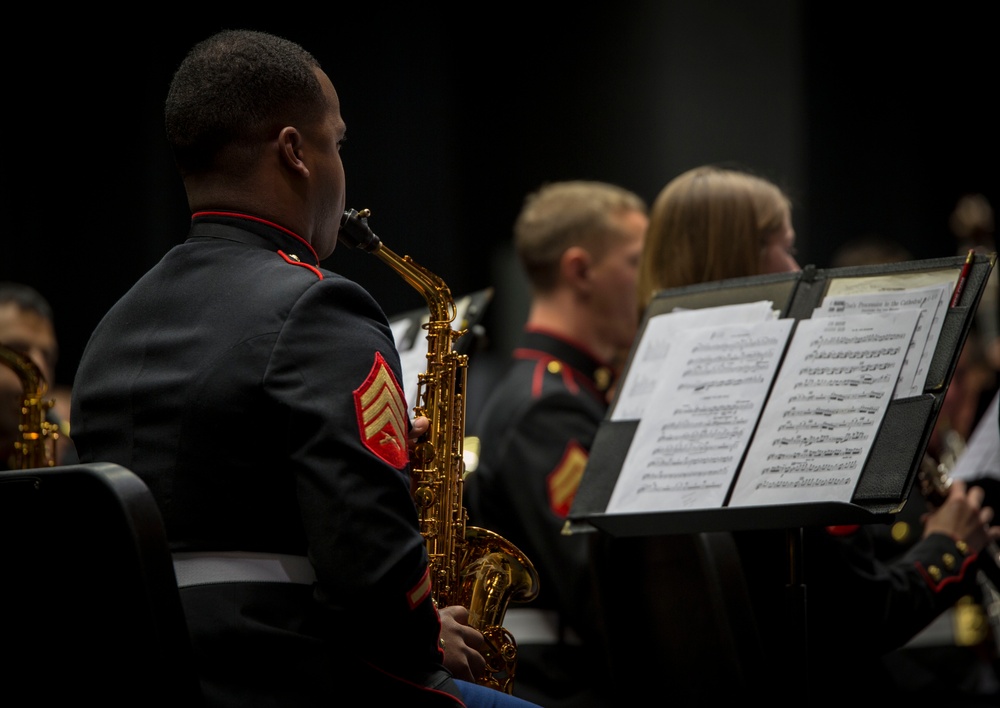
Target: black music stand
{"points": [[889, 471]]}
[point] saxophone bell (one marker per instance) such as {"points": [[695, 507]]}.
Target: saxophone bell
{"points": [[494, 574]]}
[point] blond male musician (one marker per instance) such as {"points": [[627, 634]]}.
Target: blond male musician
{"points": [[578, 242]]}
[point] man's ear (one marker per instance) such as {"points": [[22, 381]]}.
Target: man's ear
{"points": [[575, 266], [290, 149]]}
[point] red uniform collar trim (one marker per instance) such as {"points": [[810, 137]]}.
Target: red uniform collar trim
{"points": [[248, 217], [572, 342], [295, 261]]}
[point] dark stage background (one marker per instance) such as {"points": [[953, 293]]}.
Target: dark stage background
{"points": [[875, 124]]}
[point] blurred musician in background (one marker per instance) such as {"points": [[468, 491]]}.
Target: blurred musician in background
{"points": [[973, 224], [27, 326], [578, 242]]}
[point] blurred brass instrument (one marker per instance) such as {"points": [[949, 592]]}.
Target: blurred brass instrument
{"points": [[469, 566], [35, 444]]}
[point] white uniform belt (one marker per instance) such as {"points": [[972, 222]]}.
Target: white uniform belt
{"points": [[528, 625], [241, 567], [534, 626]]}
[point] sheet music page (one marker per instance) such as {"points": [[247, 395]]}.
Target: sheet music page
{"points": [[660, 331], [932, 303], [412, 360], [827, 405], [894, 282], [934, 325], [709, 392], [981, 458]]}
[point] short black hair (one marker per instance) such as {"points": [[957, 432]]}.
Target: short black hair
{"points": [[234, 89], [25, 297]]}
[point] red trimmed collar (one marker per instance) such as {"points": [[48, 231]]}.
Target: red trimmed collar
{"points": [[250, 217], [535, 329]]}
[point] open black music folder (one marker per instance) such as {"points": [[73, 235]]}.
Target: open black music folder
{"points": [[780, 401]]}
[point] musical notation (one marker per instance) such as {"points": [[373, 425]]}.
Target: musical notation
{"points": [[826, 414], [655, 342], [714, 382], [930, 301], [744, 411], [793, 422]]}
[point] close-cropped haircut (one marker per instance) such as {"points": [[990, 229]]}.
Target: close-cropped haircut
{"points": [[236, 89], [709, 224], [561, 215], [26, 298]]}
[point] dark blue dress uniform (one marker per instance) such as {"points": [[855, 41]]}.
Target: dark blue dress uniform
{"points": [[535, 432], [257, 395]]}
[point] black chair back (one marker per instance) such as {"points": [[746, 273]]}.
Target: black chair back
{"points": [[89, 606]]}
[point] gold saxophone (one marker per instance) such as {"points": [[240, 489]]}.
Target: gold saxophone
{"points": [[35, 446], [469, 566]]}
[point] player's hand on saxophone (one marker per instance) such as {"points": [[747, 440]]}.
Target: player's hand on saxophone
{"points": [[463, 645], [418, 427]]}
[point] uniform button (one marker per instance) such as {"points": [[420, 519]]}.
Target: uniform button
{"points": [[602, 378], [554, 367], [934, 572], [948, 560]]}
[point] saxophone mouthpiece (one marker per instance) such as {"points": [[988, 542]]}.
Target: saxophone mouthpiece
{"points": [[355, 232]]}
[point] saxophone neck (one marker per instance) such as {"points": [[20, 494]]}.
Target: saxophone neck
{"points": [[434, 290], [355, 233], [30, 375]]}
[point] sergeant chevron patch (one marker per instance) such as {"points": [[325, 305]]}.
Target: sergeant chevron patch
{"points": [[382, 414], [564, 480]]}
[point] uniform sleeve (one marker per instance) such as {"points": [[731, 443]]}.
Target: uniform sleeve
{"points": [[335, 368], [883, 604]]}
